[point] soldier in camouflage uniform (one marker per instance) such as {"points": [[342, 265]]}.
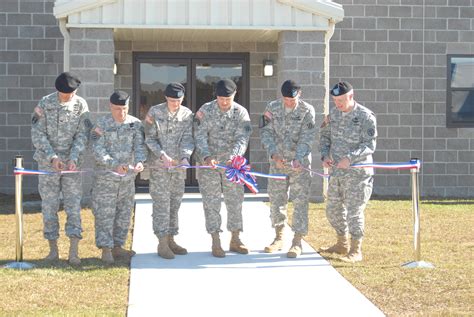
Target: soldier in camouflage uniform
{"points": [[60, 127], [169, 136], [287, 131], [119, 151], [347, 136], [222, 131]]}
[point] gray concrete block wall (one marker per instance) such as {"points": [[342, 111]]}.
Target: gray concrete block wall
{"points": [[30, 59], [92, 58], [398, 70], [301, 58], [262, 89]]}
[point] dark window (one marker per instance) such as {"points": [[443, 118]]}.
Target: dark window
{"points": [[460, 91]]}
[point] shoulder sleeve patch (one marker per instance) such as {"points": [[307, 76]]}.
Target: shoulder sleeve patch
{"points": [[96, 133], [327, 120], [199, 115], [371, 132], [148, 119], [88, 123], [37, 114]]}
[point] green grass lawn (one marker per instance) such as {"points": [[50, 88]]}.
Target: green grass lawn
{"points": [[57, 288], [447, 241]]}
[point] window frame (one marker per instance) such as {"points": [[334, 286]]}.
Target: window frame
{"points": [[450, 123]]}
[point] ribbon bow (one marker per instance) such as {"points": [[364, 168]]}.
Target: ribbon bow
{"points": [[238, 173]]}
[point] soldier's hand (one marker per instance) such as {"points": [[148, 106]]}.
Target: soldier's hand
{"points": [[167, 161], [279, 161], [210, 162], [139, 167], [295, 164], [58, 165], [344, 163], [122, 169], [327, 162], [228, 163], [71, 166]]}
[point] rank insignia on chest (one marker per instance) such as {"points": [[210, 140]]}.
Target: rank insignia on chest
{"points": [[132, 125], [355, 120], [296, 118]]}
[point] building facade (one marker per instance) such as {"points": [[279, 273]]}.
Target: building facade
{"points": [[395, 53]]}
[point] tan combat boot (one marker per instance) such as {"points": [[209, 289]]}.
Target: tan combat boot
{"points": [[296, 248], [73, 251], [236, 245], [119, 252], [355, 253], [341, 246], [277, 243], [217, 250], [107, 256], [164, 248], [53, 251], [176, 248]]}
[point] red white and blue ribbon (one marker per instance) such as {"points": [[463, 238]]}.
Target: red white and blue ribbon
{"points": [[392, 166], [23, 171], [239, 173]]}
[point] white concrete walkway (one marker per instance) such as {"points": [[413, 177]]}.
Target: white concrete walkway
{"points": [[257, 284]]}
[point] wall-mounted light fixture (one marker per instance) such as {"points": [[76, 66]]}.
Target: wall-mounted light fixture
{"points": [[267, 68], [114, 70]]}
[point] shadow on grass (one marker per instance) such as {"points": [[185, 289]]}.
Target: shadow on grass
{"points": [[87, 264], [448, 202]]}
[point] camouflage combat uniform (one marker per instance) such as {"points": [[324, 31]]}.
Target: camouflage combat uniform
{"points": [[291, 135], [171, 134], [352, 135], [115, 144], [60, 130], [221, 135]]}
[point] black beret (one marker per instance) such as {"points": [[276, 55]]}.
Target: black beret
{"points": [[290, 89], [67, 82], [341, 88], [119, 98], [174, 90], [225, 88]]}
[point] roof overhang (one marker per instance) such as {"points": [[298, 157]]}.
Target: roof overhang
{"points": [[187, 19]]}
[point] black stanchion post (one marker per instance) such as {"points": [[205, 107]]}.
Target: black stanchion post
{"points": [[415, 197], [19, 264]]}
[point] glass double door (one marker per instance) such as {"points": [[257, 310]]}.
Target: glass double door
{"points": [[197, 72]]}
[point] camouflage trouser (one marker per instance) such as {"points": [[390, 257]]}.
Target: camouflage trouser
{"points": [[50, 187], [347, 198], [166, 190], [112, 204], [211, 184], [299, 183]]}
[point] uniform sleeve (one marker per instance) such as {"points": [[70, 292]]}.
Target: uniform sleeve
{"points": [[99, 149], [201, 134], [307, 136], [242, 135], [368, 139], [79, 143], [267, 134], [139, 146], [39, 136], [325, 137], [151, 134], [187, 143]]}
